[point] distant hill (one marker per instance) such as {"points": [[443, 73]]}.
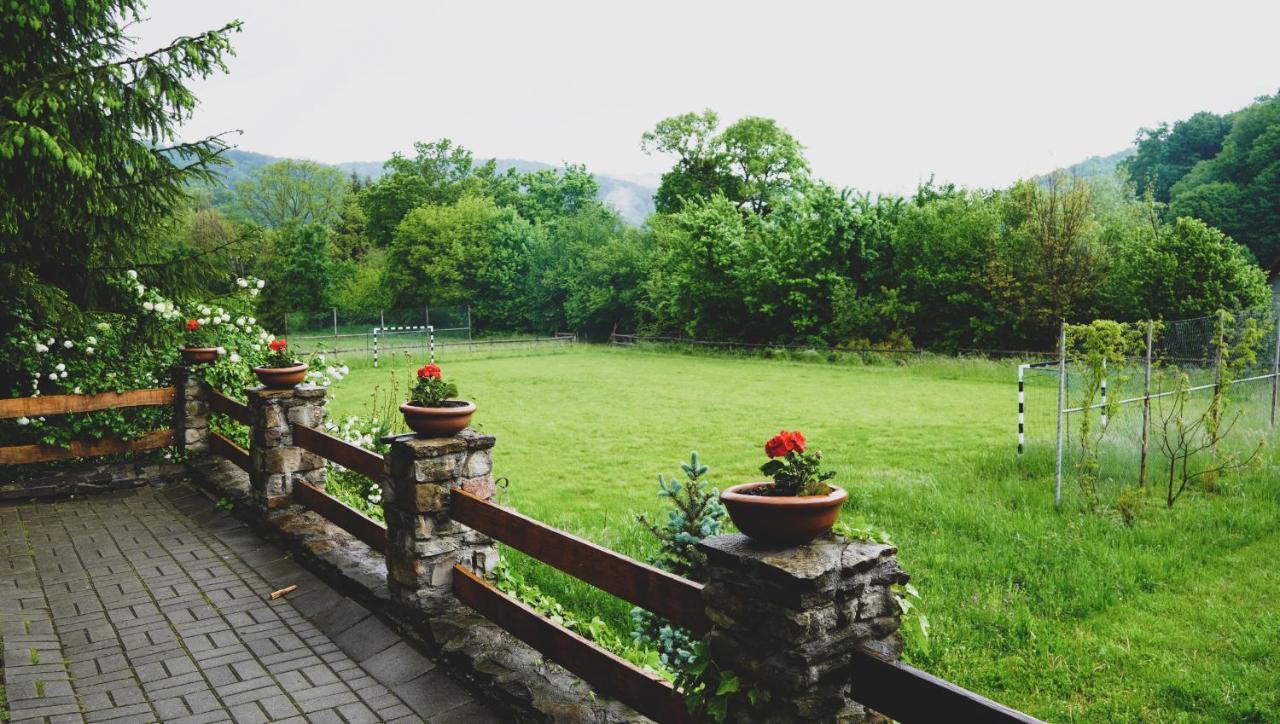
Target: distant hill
{"points": [[633, 201], [1096, 167]]}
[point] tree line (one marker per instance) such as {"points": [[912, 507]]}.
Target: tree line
{"points": [[745, 243]]}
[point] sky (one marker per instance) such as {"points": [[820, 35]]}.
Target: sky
{"points": [[881, 94]]}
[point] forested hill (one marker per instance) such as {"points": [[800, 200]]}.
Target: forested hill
{"points": [[633, 201], [1096, 167]]}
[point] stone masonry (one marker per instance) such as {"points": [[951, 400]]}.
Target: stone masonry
{"points": [[786, 620], [423, 542], [274, 462], [191, 410]]}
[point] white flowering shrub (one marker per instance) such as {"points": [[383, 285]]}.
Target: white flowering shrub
{"points": [[136, 350]]}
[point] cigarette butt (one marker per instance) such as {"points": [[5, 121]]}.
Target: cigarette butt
{"points": [[283, 592]]}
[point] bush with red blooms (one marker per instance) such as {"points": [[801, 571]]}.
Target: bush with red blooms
{"points": [[794, 470], [279, 355], [431, 390]]}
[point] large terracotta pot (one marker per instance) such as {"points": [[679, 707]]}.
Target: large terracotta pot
{"points": [[198, 355], [438, 421], [281, 378], [782, 520]]}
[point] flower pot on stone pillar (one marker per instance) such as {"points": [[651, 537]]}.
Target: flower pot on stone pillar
{"points": [[798, 506], [431, 411], [198, 355], [282, 370]]}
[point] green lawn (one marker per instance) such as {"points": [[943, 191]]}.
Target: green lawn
{"points": [[1068, 615]]}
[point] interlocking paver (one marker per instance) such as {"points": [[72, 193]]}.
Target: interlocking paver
{"points": [[149, 605]]}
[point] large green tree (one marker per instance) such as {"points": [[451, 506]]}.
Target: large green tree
{"points": [[1166, 153], [439, 173], [91, 156], [292, 193]]}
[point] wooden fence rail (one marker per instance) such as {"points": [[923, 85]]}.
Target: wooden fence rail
{"points": [[229, 406], [352, 457], [22, 454], [673, 597], [220, 444], [67, 404], [365, 529], [908, 694], [645, 692]]}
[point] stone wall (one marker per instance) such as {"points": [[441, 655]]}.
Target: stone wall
{"points": [[90, 477]]}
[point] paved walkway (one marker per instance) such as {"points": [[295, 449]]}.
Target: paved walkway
{"points": [[151, 605]]}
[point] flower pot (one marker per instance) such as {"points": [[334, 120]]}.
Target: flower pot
{"points": [[782, 520], [198, 355], [443, 421], [281, 378]]}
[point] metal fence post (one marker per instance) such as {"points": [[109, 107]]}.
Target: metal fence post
{"points": [[335, 322], [1275, 363], [468, 322], [1062, 394], [1146, 407]]}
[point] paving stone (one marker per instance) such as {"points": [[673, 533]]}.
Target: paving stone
{"points": [[137, 611]]}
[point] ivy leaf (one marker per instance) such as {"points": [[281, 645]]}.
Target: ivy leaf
{"points": [[729, 684]]}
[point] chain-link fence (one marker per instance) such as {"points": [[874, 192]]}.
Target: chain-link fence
{"points": [[1191, 386]]}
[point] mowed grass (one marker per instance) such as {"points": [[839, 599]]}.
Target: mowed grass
{"points": [[1068, 615]]}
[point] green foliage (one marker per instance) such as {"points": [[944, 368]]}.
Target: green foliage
{"points": [[695, 513], [88, 130], [298, 272], [293, 194], [1165, 154]]}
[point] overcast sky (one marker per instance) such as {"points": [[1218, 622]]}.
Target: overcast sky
{"points": [[882, 94]]}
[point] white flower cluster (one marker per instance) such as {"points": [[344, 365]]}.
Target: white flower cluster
{"points": [[151, 301], [324, 377], [253, 284]]}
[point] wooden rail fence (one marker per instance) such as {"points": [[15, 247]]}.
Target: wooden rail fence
{"points": [[70, 404]]}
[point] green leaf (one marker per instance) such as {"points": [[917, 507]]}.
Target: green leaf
{"points": [[729, 683]]}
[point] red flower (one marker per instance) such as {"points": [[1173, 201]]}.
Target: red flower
{"points": [[277, 344], [776, 447], [430, 370], [192, 325], [785, 442], [795, 441]]}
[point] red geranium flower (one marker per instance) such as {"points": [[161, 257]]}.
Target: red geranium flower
{"points": [[785, 442], [776, 447], [192, 325], [795, 440], [277, 344], [430, 370]]}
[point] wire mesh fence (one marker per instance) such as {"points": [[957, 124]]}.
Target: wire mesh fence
{"points": [[1221, 370], [346, 331]]}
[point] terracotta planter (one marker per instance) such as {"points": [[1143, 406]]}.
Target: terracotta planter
{"points": [[281, 378], [438, 421], [198, 355], [782, 520]]}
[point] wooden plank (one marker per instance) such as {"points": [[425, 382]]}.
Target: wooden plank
{"points": [[65, 404], [643, 691], [908, 694], [20, 454], [364, 528], [676, 599], [229, 406], [352, 457], [222, 445]]}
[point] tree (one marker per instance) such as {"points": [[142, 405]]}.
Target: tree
{"points": [[469, 252], [1183, 270], [941, 247], [439, 173], [767, 162], [88, 130], [298, 273], [1164, 155], [699, 170], [292, 193], [1048, 263]]}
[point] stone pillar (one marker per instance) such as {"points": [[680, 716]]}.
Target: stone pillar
{"points": [[786, 620], [423, 542], [274, 462], [191, 410]]}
